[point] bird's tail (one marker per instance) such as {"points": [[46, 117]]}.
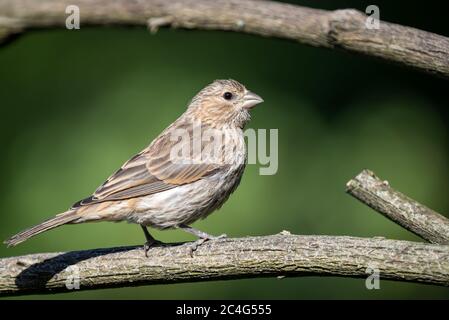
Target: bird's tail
{"points": [[58, 220]]}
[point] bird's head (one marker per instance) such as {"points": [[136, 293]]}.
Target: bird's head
{"points": [[224, 103]]}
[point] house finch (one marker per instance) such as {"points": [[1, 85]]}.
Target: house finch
{"points": [[180, 177]]}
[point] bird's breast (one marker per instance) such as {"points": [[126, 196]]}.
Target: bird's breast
{"points": [[190, 202]]}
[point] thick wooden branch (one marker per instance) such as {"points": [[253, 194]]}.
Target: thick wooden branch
{"points": [[413, 216], [344, 29], [281, 255]]}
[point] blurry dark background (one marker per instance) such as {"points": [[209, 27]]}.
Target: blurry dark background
{"points": [[76, 104]]}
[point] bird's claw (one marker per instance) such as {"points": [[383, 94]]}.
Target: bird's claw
{"points": [[149, 244], [194, 245]]}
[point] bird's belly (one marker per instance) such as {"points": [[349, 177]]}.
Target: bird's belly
{"points": [[185, 204]]}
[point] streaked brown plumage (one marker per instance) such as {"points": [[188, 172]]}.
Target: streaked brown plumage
{"points": [[155, 189]]}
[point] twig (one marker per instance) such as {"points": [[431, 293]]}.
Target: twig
{"points": [[413, 216], [344, 29], [277, 255]]}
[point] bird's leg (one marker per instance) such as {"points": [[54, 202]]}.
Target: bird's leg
{"points": [[150, 240], [203, 237]]}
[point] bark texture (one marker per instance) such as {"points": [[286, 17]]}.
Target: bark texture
{"points": [[344, 29], [408, 213], [281, 255]]}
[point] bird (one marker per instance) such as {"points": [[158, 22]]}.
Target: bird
{"points": [[181, 177]]}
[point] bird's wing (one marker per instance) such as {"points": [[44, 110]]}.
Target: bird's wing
{"points": [[151, 171]]}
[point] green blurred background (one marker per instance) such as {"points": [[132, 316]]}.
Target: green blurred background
{"points": [[76, 104]]}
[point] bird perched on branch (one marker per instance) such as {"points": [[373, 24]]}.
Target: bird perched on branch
{"points": [[185, 174]]}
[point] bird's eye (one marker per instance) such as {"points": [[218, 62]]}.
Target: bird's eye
{"points": [[227, 95]]}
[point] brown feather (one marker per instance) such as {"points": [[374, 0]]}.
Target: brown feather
{"points": [[49, 224], [152, 170]]}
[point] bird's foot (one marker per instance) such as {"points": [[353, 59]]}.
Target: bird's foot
{"points": [[149, 244], [195, 244]]}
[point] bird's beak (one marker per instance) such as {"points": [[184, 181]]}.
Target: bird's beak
{"points": [[250, 100]]}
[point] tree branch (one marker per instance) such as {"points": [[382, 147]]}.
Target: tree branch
{"points": [[408, 213], [343, 29], [278, 255], [281, 255]]}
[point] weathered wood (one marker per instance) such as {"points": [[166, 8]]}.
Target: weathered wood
{"points": [[343, 29], [282, 255], [410, 214]]}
